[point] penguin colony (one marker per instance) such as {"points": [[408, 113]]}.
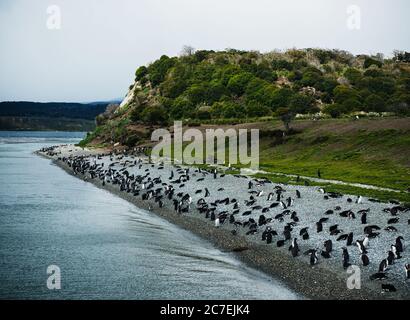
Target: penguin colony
{"points": [[341, 230]]}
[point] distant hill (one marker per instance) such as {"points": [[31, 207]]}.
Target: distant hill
{"points": [[24, 115], [52, 109]]}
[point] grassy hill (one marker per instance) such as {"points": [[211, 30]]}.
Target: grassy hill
{"points": [[250, 89]]}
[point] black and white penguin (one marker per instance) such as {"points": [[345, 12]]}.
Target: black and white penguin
{"points": [[361, 247], [383, 265], [390, 258], [294, 248], [407, 270], [395, 252], [378, 276], [313, 258], [365, 260], [328, 246], [400, 244]]}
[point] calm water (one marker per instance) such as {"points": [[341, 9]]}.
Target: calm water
{"points": [[105, 247]]}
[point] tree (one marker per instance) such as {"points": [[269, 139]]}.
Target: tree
{"points": [[140, 73], [286, 115], [335, 110], [155, 114], [187, 51], [353, 75], [370, 61], [238, 83], [374, 103], [255, 109], [301, 103]]}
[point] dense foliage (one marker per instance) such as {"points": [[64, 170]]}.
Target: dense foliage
{"points": [[238, 84]]}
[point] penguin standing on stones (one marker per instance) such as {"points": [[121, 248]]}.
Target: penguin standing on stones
{"points": [[328, 246], [383, 265], [400, 244], [361, 247], [319, 227], [390, 258], [407, 269], [313, 258], [294, 248], [364, 218], [346, 258], [349, 239], [365, 260]]}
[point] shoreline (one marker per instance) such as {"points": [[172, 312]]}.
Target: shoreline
{"points": [[316, 282]]}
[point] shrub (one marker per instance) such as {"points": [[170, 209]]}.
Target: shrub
{"points": [[155, 114], [374, 103]]}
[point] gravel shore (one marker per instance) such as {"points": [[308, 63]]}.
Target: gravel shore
{"points": [[325, 280]]}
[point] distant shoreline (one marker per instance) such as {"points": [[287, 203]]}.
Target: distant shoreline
{"points": [[319, 282], [18, 123]]}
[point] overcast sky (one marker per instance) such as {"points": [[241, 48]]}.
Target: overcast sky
{"points": [[93, 56]]}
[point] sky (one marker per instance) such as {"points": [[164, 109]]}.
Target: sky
{"points": [[91, 52]]}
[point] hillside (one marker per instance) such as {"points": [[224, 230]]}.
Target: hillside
{"points": [[249, 89]]}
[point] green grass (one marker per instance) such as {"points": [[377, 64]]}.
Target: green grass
{"points": [[377, 158]]}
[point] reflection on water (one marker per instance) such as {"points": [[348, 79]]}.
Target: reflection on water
{"points": [[105, 247]]}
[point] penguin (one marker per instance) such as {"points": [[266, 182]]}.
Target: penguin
{"points": [[346, 258], [383, 265], [388, 288], [287, 234], [217, 222], [366, 241], [319, 227], [390, 258], [207, 194], [313, 258], [395, 252], [378, 276], [364, 218], [298, 194], [294, 248], [407, 271], [280, 243], [328, 246], [400, 244], [361, 247], [349, 240], [365, 260], [390, 229], [325, 255]]}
